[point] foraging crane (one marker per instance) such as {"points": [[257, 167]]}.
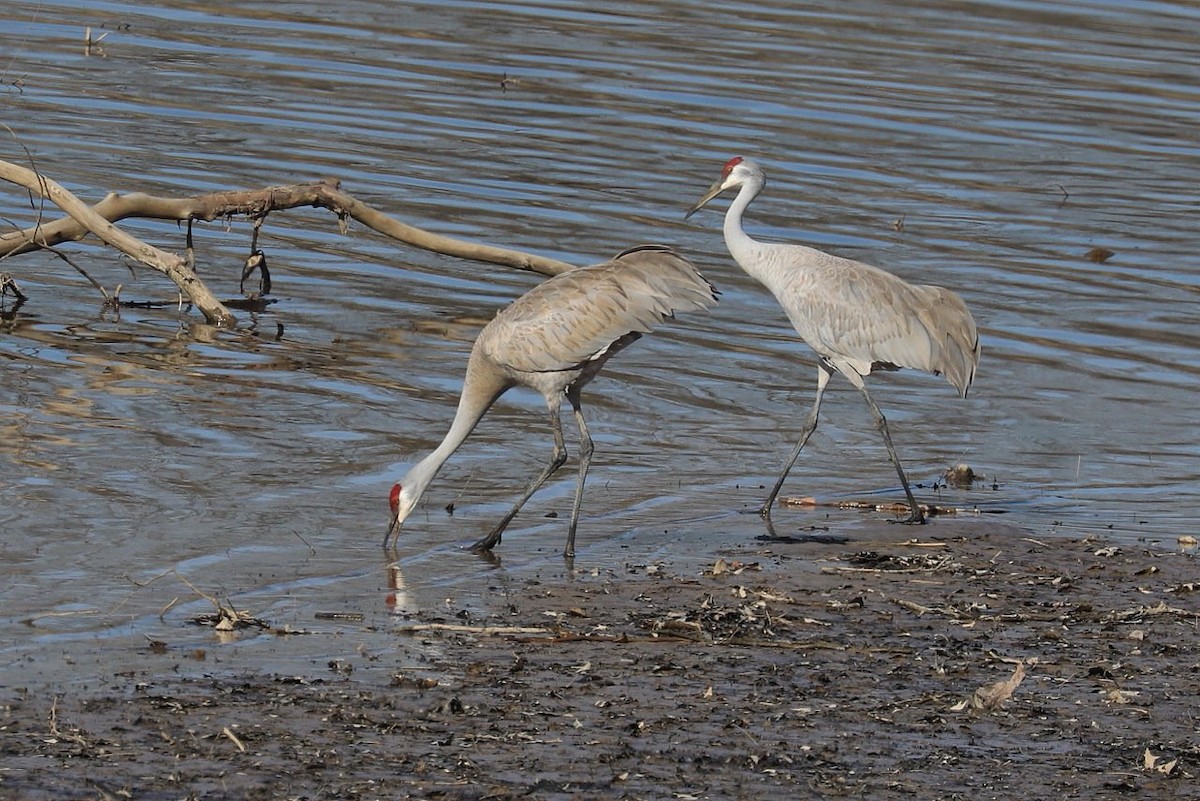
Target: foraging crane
{"points": [[554, 339], [857, 318]]}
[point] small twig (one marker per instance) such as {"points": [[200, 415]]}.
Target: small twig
{"points": [[91, 45], [914, 607], [58, 733], [210, 598], [233, 738], [9, 287], [495, 631]]}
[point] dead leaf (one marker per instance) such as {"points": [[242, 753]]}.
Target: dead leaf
{"points": [[1158, 764], [1099, 255], [1117, 696], [992, 696]]}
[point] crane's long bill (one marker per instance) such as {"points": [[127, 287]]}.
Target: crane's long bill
{"points": [[393, 531], [714, 190]]}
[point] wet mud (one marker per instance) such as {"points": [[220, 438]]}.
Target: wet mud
{"points": [[971, 662]]}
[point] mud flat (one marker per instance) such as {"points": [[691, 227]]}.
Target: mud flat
{"points": [[962, 659]]}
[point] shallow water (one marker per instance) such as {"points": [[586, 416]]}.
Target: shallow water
{"points": [[1007, 139]]}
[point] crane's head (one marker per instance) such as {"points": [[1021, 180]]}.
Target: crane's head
{"points": [[737, 171], [402, 499]]}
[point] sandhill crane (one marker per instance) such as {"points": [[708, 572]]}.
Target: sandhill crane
{"points": [[554, 339], [857, 318]]}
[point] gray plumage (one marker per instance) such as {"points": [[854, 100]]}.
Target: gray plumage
{"points": [[554, 339], [856, 317]]}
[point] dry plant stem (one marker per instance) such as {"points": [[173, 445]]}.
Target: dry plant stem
{"points": [[170, 264]]}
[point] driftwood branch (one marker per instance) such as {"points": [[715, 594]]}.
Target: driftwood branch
{"points": [[170, 264], [99, 220]]}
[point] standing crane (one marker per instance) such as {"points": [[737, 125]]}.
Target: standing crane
{"points": [[554, 339], [857, 318]]}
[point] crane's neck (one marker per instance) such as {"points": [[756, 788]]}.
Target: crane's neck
{"points": [[478, 394], [746, 252]]}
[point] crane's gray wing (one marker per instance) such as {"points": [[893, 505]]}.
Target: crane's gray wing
{"points": [[576, 316], [860, 317]]}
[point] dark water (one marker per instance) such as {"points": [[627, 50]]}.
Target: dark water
{"points": [[1009, 137]]}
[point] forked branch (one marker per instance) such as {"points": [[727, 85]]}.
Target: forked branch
{"points": [[252, 204]]}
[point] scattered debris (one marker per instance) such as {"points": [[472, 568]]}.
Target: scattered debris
{"points": [[412, 682], [734, 568], [960, 476], [895, 508], [354, 617], [227, 619], [487, 631], [820, 667], [901, 563]]}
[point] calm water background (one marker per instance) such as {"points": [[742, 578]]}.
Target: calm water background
{"points": [[1010, 138]]}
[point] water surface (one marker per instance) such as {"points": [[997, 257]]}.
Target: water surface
{"points": [[986, 147]]}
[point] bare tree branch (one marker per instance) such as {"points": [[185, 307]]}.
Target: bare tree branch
{"points": [[254, 204], [170, 264]]}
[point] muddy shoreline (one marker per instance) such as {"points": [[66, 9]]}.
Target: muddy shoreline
{"points": [[974, 662]]}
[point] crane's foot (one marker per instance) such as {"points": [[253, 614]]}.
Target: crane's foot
{"points": [[486, 544], [915, 517]]}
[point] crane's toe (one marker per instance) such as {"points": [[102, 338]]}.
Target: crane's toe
{"points": [[915, 517], [487, 543]]}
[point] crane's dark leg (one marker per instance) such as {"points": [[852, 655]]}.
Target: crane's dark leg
{"points": [[556, 461], [915, 514], [585, 461], [810, 425]]}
